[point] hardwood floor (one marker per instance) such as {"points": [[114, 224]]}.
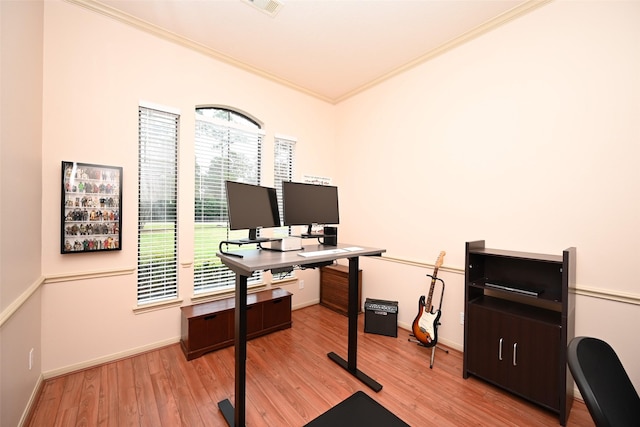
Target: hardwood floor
{"points": [[290, 381]]}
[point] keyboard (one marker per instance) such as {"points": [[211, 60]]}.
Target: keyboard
{"points": [[328, 252]]}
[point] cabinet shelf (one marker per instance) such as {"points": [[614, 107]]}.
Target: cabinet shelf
{"points": [[514, 340], [506, 290], [524, 311]]}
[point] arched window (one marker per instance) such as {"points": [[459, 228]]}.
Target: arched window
{"points": [[228, 146]]}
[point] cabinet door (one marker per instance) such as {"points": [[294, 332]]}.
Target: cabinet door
{"points": [[210, 330], [277, 312], [519, 354], [254, 318], [534, 367], [487, 345]]}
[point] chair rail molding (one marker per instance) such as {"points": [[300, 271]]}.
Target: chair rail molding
{"points": [[18, 302]]}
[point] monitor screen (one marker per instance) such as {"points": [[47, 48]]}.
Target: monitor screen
{"points": [[307, 204], [251, 207]]}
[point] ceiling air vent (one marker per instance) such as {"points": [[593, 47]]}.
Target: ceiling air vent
{"points": [[270, 7]]}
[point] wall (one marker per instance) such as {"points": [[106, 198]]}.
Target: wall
{"points": [[526, 137], [523, 137], [96, 72], [21, 28]]}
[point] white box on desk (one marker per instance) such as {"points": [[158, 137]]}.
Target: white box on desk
{"points": [[287, 244]]}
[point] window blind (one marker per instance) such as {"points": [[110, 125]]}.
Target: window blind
{"points": [[157, 205], [283, 171], [228, 149]]}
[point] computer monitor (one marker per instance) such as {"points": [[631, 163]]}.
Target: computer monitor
{"points": [[251, 207], [309, 204]]}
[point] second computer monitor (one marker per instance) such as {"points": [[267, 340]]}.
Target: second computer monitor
{"points": [[309, 204]]}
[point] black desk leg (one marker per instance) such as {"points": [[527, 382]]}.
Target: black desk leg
{"points": [[351, 363], [236, 417]]}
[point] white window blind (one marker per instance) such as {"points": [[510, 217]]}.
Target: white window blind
{"points": [[284, 150], [157, 205], [228, 146]]}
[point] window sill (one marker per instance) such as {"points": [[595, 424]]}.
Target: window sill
{"points": [[157, 306]]}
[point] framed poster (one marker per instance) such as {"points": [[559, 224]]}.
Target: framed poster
{"points": [[91, 206]]}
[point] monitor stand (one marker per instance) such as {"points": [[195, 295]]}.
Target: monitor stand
{"points": [[253, 238], [331, 241]]}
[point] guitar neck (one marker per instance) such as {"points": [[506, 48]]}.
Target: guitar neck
{"points": [[433, 285], [434, 278]]}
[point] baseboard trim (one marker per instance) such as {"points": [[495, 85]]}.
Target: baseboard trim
{"points": [[128, 353], [108, 359], [306, 304], [33, 400]]}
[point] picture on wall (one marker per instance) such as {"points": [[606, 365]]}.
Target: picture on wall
{"points": [[91, 206]]}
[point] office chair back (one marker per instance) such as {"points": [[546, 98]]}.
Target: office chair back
{"points": [[603, 382]]}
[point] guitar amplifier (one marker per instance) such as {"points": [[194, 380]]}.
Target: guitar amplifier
{"points": [[381, 317]]}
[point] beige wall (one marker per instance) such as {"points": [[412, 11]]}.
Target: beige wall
{"points": [[528, 138], [21, 28], [97, 70], [525, 137]]}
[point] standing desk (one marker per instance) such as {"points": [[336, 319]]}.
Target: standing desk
{"points": [[260, 260]]}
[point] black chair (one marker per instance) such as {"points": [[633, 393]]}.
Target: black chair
{"points": [[604, 385]]}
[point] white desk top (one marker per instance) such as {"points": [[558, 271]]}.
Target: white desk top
{"points": [[262, 259]]}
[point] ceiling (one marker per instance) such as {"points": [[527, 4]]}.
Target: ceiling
{"points": [[331, 49]]}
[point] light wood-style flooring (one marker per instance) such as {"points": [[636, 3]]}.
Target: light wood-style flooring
{"points": [[290, 381]]}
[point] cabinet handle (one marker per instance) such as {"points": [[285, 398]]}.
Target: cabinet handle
{"points": [[210, 317], [515, 354], [500, 349]]}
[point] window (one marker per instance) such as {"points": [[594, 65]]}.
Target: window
{"points": [[157, 205], [283, 171], [228, 146]]}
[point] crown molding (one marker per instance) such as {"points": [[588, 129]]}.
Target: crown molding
{"points": [[481, 29], [103, 9]]}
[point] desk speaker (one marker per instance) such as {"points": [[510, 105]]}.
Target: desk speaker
{"points": [[330, 236]]}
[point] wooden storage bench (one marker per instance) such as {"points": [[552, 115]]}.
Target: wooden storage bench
{"points": [[210, 326]]}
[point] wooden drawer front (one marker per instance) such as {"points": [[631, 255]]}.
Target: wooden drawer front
{"points": [[211, 326], [209, 330], [277, 312], [334, 288], [335, 292]]}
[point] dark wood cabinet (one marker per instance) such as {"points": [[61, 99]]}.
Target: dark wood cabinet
{"points": [[518, 321], [334, 288], [210, 326]]}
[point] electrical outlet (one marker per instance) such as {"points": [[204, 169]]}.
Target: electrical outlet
{"points": [[30, 359], [301, 284], [462, 317]]}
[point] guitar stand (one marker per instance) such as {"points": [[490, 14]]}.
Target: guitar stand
{"points": [[433, 347]]}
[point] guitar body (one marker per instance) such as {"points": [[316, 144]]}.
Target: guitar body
{"points": [[425, 325]]}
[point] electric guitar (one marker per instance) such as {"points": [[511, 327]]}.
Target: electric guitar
{"points": [[425, 325]]}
